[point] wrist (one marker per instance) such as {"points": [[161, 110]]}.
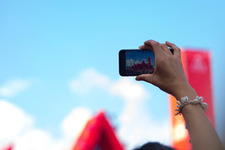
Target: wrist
{"points": [[185, 90]]}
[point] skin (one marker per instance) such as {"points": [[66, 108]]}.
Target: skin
{"points": [[169, 76]]}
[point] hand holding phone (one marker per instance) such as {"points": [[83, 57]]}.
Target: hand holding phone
{"points": [[168, 75]]}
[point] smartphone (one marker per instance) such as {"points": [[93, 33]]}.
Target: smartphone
{"points": [[133, 62]]}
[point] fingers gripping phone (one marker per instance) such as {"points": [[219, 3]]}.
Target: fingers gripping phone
{"points": [[133, 62]]}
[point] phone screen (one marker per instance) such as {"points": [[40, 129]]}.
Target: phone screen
{"points": [[136, 62]]}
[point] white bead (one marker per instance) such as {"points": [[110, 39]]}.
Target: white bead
{"points": [[178, 103], [182, 100]]}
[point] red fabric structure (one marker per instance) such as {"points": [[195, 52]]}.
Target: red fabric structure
{"points": [[197, 67], [9, 147], [98, 133]]}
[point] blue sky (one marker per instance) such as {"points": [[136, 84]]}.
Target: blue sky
{"points": [[51, 50]]}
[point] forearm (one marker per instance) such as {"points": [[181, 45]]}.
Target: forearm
{"points": [[202, 134]]}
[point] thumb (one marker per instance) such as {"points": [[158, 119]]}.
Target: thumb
{"points": [[144, 77]]}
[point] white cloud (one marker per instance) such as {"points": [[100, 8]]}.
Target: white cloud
{"points": [[128, 90], [137, 126], [88, 80], [13, 120], [18, 128], [34, 139], [12, 88], [131, 62], [74, 123]]}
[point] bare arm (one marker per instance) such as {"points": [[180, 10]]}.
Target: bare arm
{"points": [[169, 77]]}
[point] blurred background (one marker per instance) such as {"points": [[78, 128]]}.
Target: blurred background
{"points": [[59, 66]]}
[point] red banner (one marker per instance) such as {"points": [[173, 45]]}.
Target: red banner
{"points": [[197, 67]]}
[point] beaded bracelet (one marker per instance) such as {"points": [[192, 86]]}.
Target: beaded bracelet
{"points": [[184, 101]]}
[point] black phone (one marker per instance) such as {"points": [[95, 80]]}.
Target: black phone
{"points": [[133, 62]]}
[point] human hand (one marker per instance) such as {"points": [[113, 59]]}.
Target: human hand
{"points": [[168, 75]]}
